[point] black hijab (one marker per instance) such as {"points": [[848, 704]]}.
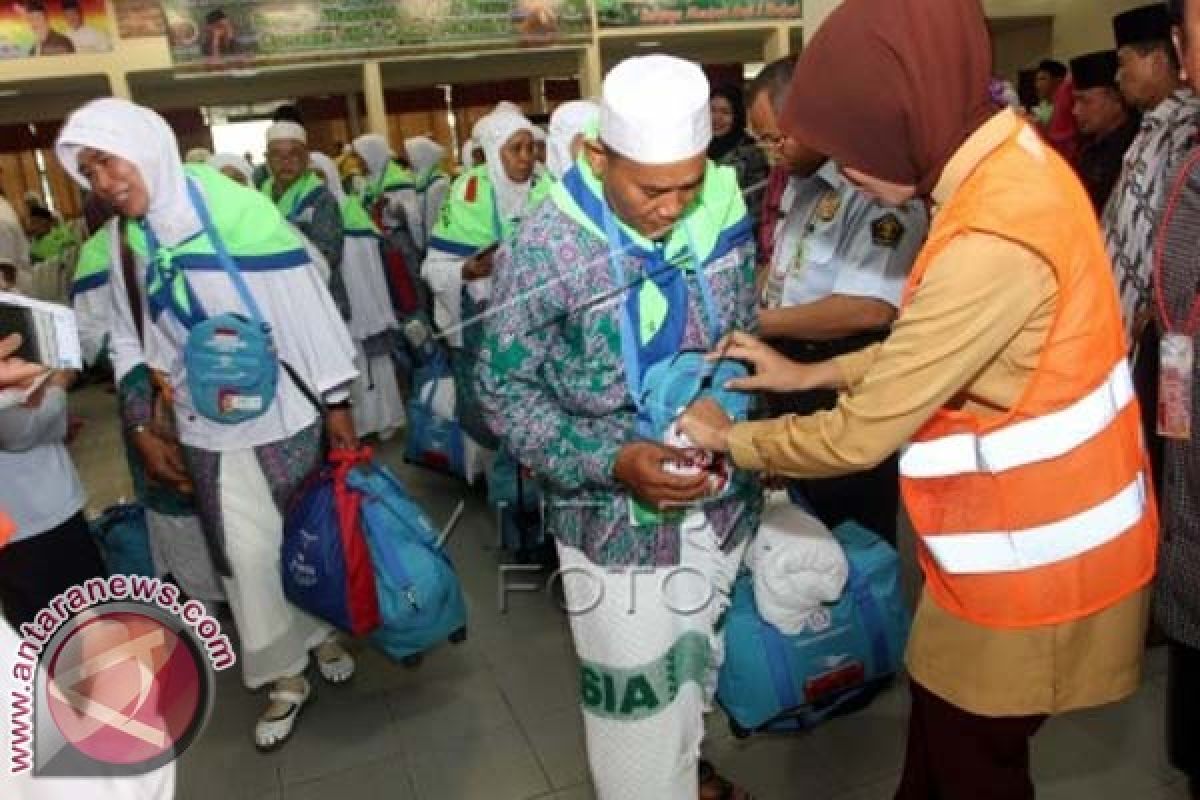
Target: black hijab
{"points": [[721, 145]]}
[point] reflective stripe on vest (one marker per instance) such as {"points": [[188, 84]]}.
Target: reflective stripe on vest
{"points": [[1013, 551], [1040, 439]]}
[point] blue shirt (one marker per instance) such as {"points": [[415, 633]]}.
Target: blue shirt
{"points": [[835, 239]]}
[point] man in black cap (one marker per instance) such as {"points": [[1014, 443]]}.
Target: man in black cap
{"points": [[1106, 127], [1149, 79]]}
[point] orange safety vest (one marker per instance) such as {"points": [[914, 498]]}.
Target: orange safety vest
{"points": [[1044, 514]]}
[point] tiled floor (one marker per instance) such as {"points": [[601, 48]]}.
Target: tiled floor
{"points": [[495, 718]]}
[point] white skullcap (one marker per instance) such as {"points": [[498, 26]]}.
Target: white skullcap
{"points": [[286, 130], [655, 110]]}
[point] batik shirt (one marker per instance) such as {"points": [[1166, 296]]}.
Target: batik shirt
{"points": [[1131, 216], [551, 376]]}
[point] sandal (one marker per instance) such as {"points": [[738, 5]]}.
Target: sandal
{"points": [[270, 732], [335, 664], [714, 787]]}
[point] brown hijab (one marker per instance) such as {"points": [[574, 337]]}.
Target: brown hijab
{"points": [[893, 89]]}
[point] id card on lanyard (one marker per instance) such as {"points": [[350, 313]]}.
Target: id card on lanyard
{"points": [[1177, 356], [640, 514]]}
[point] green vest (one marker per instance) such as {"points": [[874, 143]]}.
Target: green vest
{"points": [[298, 197], [52, 245], [248, 223], [394, 179], [95, 260], [469, 220], [355, 219]]}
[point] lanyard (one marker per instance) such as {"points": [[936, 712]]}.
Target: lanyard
{"points": [[630, 349], [218, 244], [1191, 326]]}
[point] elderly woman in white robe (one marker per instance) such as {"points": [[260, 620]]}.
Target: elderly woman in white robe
{"points": [[243, 474], [377, 404]]}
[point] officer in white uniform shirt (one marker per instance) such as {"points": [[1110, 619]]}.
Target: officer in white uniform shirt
{"points": [[833, 286]]}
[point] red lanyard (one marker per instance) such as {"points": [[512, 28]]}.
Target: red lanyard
{"points": [[1192, 326]]}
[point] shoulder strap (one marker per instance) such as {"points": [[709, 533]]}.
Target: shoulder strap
{"points": [[223, 256]]}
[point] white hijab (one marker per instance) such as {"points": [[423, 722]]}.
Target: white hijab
{"points": [[229, 160], [568, 121], [375, 152], [424, 154], [493, 132], [143, 138], [333, 178], [467, 154]]}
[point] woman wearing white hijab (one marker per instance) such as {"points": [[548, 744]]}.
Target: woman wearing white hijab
{"points": [[391, 192], [425, 157], [233, 167], [483, 207], [568, 126], [243, 473], [377, 404]]}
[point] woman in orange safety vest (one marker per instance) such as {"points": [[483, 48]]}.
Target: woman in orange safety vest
{"points": [[1004, 384]]}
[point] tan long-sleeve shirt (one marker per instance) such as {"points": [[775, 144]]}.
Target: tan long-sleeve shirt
{"points": [[970, 338]]}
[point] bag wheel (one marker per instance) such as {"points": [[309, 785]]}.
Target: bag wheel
{"points": [[459, 636], [413, 661]]}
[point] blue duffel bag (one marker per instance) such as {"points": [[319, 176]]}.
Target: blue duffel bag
{"points": [[420, 598], [848, 653], [124, 540]]}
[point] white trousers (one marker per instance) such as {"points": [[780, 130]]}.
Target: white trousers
{"points": [[649, 652], [275, 635]]}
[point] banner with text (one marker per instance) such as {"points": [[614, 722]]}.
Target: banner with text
{"points": [[223, 33], [628, 13]]}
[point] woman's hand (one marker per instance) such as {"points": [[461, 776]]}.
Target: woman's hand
{"points": [[339, 427], [773, 372], [478, 266], [15, 371], [707, 425], [164, 460]]}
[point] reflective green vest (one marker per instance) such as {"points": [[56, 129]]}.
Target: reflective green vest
{"points": [[95, 260]]}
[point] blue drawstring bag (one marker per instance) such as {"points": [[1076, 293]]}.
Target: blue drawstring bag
{"points": [[124, 540], [420, 597], [327, 568], [671, 385], [851, 651], [433, 439]]}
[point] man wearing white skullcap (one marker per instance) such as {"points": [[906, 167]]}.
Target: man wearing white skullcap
{"points": [[305, 201], [641, 252]]}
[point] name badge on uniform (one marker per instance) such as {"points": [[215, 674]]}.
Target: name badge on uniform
{"points": [[1176, 358]]}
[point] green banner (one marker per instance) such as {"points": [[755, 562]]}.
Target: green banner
{"points": [[244, 31], [625, 13]]}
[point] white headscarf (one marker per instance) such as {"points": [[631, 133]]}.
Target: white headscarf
{"points": [[424, 154], [230, 160], [375, 152], [333, 179], [493, 132], [467, 154], [143, 138], [568, 121]]}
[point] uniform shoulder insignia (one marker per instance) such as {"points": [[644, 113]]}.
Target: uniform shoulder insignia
{"points": [[472, 190], [887, 231], [829, 205]]}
